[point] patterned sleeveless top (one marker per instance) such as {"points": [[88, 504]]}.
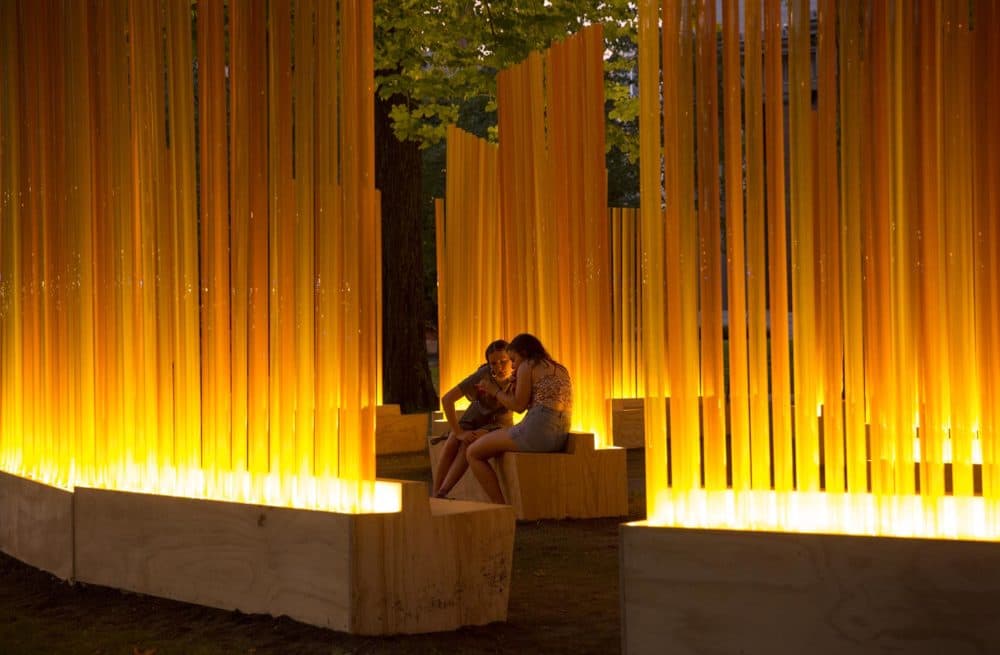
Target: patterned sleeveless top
{"points": [[553, 389]]}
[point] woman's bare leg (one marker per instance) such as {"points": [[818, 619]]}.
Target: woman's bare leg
{"points": [[480, 452], [457, 469], [451, 447]]}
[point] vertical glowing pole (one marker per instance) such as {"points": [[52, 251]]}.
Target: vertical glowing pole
{"points": [[828, 215], [11, 346], [987, 241], [634, 268], [851, 257], [329, 258], [214, 194], [120, 303], [184, 222], [357, 446], [304, 274], [240, 112], [903, 299], [803, 279], [652, 239], [879, 256], [350, 426], [958, 239], [281, 215], [164, 257], [781, 428], [617, 302], [760, 430], [932, 376], [713, 384], [735, 249], [682, 241], [146, 78]]}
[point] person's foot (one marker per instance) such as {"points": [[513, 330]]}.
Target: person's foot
{"points": [[438, 439]]}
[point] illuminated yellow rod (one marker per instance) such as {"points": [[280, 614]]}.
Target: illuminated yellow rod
{"points": [[682, 243], [735, 248], [802, 150], [877, 247], [904, 387], [851, 174], [184, 226], [781, 429], [656, 385], [305, 253], [713, 384], [757, 330], [925, 135], [11, 344], [329, 258], [831, 309], [957, 180], [986, 215]]}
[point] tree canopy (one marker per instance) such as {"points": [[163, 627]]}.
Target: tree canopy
{"points": [[434, 57]]}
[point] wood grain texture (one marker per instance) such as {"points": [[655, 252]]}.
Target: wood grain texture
{"points": [[627, 426], [583, 483], [399, 433], [433, 566], [251, 558], [36, 524], [715, 592]]}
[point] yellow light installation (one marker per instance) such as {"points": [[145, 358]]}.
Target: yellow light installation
{"points": [[472, 260], [858, 185], [190, 310], [523, 238], [626, 304]]}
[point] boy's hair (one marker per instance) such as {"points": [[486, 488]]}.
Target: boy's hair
{"points": [[499, 344]]}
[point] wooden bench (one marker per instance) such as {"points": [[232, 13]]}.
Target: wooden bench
{"points": [[579, 482], [399, 433], [627, 422]]}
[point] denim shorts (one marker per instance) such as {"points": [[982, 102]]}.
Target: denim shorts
{"points": [[543, 430]]}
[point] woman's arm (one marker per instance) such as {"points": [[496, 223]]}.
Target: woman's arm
{"points": [[448, 405], [518, 401]]}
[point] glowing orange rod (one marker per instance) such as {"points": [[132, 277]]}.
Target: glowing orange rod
{"points": [[802, 150], [655, 384], [713, 384], [735, 248], [759, 390]]}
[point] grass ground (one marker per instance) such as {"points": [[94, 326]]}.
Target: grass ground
{"points": [[564, 599]]}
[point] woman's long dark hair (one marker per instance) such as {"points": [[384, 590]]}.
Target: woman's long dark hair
{"points": [[527, 346]]}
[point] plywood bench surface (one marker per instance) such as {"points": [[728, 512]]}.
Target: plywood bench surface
{"points": [[578, 482]]}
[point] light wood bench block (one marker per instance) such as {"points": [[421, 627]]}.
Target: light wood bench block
{"points": [[627, 423], [399, 433], [712, 591], [428, 568], [36, 524], [581, 482]]}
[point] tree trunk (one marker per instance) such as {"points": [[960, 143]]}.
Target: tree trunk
{"points": [[406, 376]]}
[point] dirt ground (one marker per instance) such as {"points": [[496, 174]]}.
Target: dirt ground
{"points": [[563, 599]]}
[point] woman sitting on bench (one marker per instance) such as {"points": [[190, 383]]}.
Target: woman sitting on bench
{"points": [[543, 387], [482, 416]]}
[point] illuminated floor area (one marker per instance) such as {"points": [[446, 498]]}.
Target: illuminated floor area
{"points": [[375, 573]]}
